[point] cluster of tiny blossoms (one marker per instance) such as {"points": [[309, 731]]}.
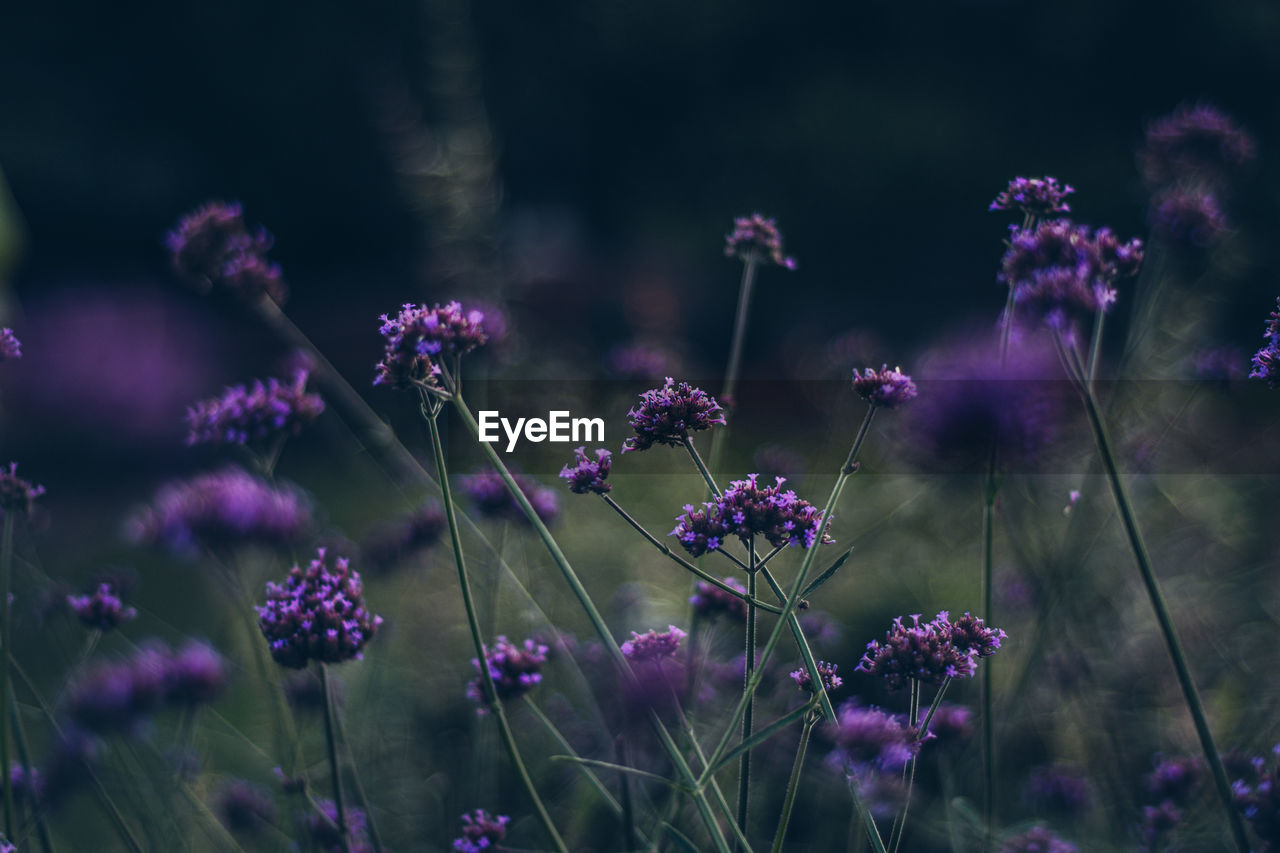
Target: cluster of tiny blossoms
{"points": [[414, 338], [1258, 798], [1038, 839], [1266, 361], [102, 609], [17, 494], [212, 248], [317, 614], [10, 346], [254, 414], [757, 237], [667, 415], [1034, 196], [653, 646], [481, 831], [488, 493], [514, 670], [826, 671], [747, 509], [930, 652], [885, 388], [709, 600], [588, 475]]}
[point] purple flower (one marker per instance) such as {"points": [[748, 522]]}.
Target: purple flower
{"points": [[1037, 840], [225, 509], [1258, 799], [10, 346], [709, 600], [951, 723], [1266, 361], [930, 652], [1059, 788], [514, 670], [1195, 144], [756, 237], [1189, 217], [305, 692], [1174, 779], [420, 334], [481, 831], [972, 636], [587, 475], [885, 388], [653, 647], [255, 414], [244, 807], [1158, 822], [1034, 196], [747, 509], [16, 494], [488, 492], [830, 681], [402, 538], [212, 247], [195, 675], [868, 739], [317, 614], [102, 609], [668, 414], [322, 829], [26, 788]]}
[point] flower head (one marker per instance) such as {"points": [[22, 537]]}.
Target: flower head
{"points": [[668, 414], [885, 388], [871, 739], [488, 492], [1058, 788], [102, 609], [709, 600], [196, 675], [414, 338], [589, 475], [481, 831], [254, 414], [244, 807], [16, 494], [10, 346], [403, 537], [1037, 840], [747, 509], [827, 671], [1034, 196], [322, 829], [1188, 217], [653, 646], [515, 669], [951, 723], [317, 614], [757, 237], [1258, 798], [930, 651], [1266, 361], [971, 635], [1195, 144], [212, 247]]}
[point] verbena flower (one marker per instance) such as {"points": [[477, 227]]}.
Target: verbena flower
{"points": [[27, 787], [1037, 840], [667, 415], [1188, 216], [102, 609], [195, 675], [1058, 788], [589, 475], [653, 646], [212, 248], [254, 414], [709, 600], [1266, 361], [930, 652], [488, 493], [321, 828], [1158, 823], [885, 388], [317, 614], [1195, 143], [1258, 799], [515, 670], [10, 346], [225, 509], [481, 831], [403, 537], [951, 723], [757, 236], [746, 509], [1034, 196], [418, 335], [1174, 779], [971, 635], [243, 807], [827, 671], [305, 692], [16, 494], [870, 740]]}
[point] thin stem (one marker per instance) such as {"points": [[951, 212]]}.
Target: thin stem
{"points": [[702, 468], [793, 784], [624, 787], [563, 743], [371, 825], [868, 821], [744, 765], [933, 709], [1095, 347], [6, 577], [331, 746], [24, 758], [491, 697], [749, 267], [988, 717], [1143, 560]]}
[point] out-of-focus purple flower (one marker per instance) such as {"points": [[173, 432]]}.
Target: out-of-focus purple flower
{"points": [[489, 494], [402, 538], [757, 237], [746, 509], [1174, 779], [1034, 196], [1158, 823], [971, 635], [951, 723], [641, 361], [709, 600], [869, 738], [481, 831], [1266, 361], [653, 646], [245, 808], [317, 614], [225, 509], [931, 651], [1037, 840], [589, 475], [667, 415], [1219, 364], [884, 388], [830, 680], [10, 346], [1188, 216], [212, 248], [102, 609], [254, 414], [1059, 788], [1195, 143], [1258, 799], [418, 335], [16, 494], [196, 675], [305, 692], [27, 788], [322, 829], [514, 670]]}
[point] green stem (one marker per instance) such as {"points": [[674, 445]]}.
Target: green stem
{"points": [[793, 785], [331, 746], [702, 468], [988, 719], [1095, 347], [24, 758], [6, 577], [744, 765], [739, 327], [868, 822], [563, 743], [371, 825], [1143, 560], [491, 697]]}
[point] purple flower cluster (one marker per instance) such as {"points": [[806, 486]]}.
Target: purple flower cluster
{"points": [[10, 346], [589, 475], [254, 414], [1039, 839], [317, 614], [653, 646], [870, 740], [1195, 144], [225, 509], [1188, 216], [757, 236], [413, 338], [1258, 798], [1059, 269], [120, 696], [401, 538], [1266, 361], [16, 494], [827, 671], [885, 388], [709, 600], [951, 723], [1169, 789], [102, 609], [514, 670], [322, 829], [481, 831], [668, 414], [1034, 197], [1058, 788], [212, 247], [747, 509], [489, 495], [932, 651], [244, 808]]}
